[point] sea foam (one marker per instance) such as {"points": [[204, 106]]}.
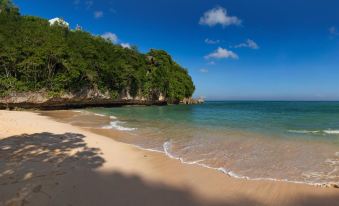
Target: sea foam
{"points": [[117, 125], [304, 131], [112, 117], [167, 146], [328, 131], [114, 124]]}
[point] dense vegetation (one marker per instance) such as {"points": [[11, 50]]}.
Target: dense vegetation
{"points": [[35, 56]]}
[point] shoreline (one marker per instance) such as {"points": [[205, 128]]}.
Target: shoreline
{"points": [[173, 183], [226, 171], [64, 104], [231, 174]]}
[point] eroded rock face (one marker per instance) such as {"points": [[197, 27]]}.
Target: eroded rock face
{"points": [[192, 101], [43, 97], [80, 99], [24, 97]]}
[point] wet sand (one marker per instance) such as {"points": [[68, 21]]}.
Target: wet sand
{"points": [[46, 162]]}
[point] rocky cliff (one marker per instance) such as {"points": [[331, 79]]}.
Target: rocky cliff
{"points": [[190, 100], [86, 98]]}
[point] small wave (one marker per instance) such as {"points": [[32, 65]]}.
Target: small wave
{"points": [[116, 125], [112, 117], [113, 124], [167, 146], [328, 131], [304, 131], [78, 111]]}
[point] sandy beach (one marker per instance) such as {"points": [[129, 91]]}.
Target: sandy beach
{"points": [[45, 162]]}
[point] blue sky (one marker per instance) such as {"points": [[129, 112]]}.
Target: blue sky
{"points": [[233, 49]]}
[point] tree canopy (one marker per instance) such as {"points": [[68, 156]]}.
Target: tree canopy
{"points": [[35, 56]]}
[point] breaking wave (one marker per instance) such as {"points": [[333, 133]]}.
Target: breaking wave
{"points": [[167, 147], [118, 125], [328, 131]]}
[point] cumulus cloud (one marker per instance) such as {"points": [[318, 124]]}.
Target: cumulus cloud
{"points": [[217, 16], [222, 53], [98, 14], [126, 45], [248, 44], [210, 41], [203, 70], [333, 31], [110, 36]]}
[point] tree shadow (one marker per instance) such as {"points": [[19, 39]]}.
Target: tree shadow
{"points": [[53, 169], [27, 161]]}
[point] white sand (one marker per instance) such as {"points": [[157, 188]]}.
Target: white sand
{"points": [[44, 162]]}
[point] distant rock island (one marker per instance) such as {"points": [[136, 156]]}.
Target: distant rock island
{"points": [[47, 65]]}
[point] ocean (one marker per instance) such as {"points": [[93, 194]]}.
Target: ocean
{"points": [[260, 140]]}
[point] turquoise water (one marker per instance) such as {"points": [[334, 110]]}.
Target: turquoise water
{"points": [[292, 141]]}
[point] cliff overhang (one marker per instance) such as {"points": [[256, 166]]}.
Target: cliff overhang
{"points": [[87, 98]]}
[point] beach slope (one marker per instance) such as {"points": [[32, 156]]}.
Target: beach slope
{"points": [[45, 162]]}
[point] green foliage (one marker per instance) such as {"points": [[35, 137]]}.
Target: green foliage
{"points": [[8, 8], [35, 56], [114, 95]]}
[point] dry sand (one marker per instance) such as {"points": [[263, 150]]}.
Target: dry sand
{"points": [[45, 162]]}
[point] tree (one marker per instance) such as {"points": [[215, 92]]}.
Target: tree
{"points": [[37, 56], [8, 8]]}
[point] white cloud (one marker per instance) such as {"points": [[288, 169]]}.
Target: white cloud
{"points": [[222, 53], [203, 70], [333, 31], [211, 63], [210, 41], [126, 45], [248, 44], [110, 36], [98, 14], [218, 15]]}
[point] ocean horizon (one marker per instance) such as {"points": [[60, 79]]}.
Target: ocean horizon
{"points": [[266, 100]]}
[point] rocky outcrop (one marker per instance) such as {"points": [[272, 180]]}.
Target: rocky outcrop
{"points": [[199, 100], [85, 98]]}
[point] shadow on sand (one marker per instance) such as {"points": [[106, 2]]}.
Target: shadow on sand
{"points": [[52, 169]]}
